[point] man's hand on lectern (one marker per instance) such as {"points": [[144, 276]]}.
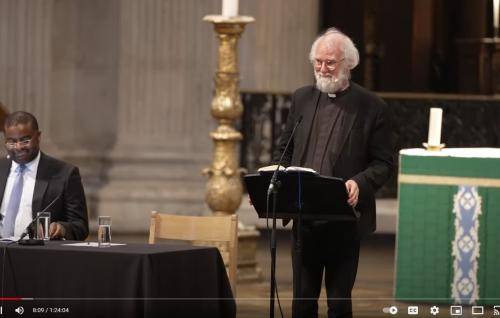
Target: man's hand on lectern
{"points": [[352, 192]]}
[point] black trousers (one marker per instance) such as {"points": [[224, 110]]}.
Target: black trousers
{"points": [[331, 248]]}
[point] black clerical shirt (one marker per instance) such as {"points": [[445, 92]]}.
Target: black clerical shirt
{"points": [[327, 122]]}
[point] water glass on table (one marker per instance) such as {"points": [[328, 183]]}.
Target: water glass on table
{"points": [[42, 226], [104, 231]]}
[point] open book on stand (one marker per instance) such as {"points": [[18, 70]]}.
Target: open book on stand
{"points": [[271, 169]]}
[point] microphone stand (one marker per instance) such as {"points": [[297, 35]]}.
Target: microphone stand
{"points": [[30, 240], [273, 250], [273, 189]]}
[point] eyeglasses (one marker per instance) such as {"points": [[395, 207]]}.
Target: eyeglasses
{"points": [[330, 64], [12, 144]]}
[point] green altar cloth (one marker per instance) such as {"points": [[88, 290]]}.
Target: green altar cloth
{"points": [[448, 237]]}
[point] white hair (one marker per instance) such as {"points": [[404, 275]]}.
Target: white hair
{"points": [[351, 53]]}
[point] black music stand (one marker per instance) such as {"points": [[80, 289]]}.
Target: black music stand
{"points": [[303, 196]]}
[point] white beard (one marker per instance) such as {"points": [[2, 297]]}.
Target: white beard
{"points": [[330, 84]]}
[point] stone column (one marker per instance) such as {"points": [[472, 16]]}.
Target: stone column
{"points": [[162, 121], [275, 53], [25, 60], [83, 90]]}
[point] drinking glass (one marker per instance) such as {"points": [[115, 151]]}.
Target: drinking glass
{"points": [[42, 226], [104, 231]]}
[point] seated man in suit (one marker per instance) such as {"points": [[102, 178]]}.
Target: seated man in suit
{"points": [[31, 181]]}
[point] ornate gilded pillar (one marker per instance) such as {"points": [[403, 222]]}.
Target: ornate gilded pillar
{"points": [[224, 188]]}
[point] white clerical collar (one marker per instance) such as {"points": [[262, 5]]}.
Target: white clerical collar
{"points": [[341, 92]]}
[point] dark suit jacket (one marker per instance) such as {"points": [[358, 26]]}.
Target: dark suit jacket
{"points": [[364, 151], [55, 177]]}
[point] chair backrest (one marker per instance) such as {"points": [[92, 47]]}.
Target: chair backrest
{"points": [[201, 230]]}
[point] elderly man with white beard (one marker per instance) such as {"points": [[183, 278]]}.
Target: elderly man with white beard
{"points": [[345, 132]]}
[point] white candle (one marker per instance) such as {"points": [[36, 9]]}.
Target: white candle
{"points": [[496, 11], [435, 119], [229, 8]]}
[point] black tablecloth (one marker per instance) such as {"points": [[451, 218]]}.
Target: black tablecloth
{"points": [[135, 280]]}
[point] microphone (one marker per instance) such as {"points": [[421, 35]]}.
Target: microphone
{"points": [[272, 184], [26, 231]]}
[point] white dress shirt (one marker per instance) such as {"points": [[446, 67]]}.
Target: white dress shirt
{"points": [[25, 214]]}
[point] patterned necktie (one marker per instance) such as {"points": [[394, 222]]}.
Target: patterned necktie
{"points": [[13, 205]]}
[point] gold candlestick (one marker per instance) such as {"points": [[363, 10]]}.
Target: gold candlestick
{"points": [[224, 189], [433, 147]]}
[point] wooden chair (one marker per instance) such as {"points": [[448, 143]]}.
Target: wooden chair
{"points": [[201, 230]]}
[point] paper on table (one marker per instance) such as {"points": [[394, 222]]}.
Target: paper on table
{"points": [[91, 244]]}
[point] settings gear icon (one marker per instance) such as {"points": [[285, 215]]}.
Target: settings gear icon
{"points": [[434, 310]]}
